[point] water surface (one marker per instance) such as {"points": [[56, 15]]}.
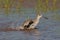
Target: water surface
{"points": [[48, 29]]}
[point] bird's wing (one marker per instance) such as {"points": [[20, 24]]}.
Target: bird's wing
{"points": [[26, 22]]}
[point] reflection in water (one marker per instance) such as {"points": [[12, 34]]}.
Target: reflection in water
{"points": [[31, 31], [32, 34], [26, 34]]}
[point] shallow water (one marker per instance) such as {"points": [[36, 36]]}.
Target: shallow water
{"points": [[48, 29]]}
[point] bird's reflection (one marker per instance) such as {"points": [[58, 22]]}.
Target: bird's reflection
{"points": [[32, 32]]}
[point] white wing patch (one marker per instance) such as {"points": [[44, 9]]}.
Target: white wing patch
{"points": [[34, 25], [26, 22]]}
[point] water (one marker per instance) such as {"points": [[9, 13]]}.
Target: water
{"points": [[48, 29]]}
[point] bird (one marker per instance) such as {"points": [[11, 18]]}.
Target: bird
{"points": [[30, 23]]}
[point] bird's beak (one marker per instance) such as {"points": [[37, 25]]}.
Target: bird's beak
{"points": [[45, 17]]}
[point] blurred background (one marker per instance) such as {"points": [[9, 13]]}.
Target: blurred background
{"points": [[18, 5], [14, 12]]}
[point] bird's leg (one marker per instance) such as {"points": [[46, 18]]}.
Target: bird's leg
{"points": [[35, 28]]}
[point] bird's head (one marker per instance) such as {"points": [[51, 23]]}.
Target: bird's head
{"points": [[39, 16]]}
